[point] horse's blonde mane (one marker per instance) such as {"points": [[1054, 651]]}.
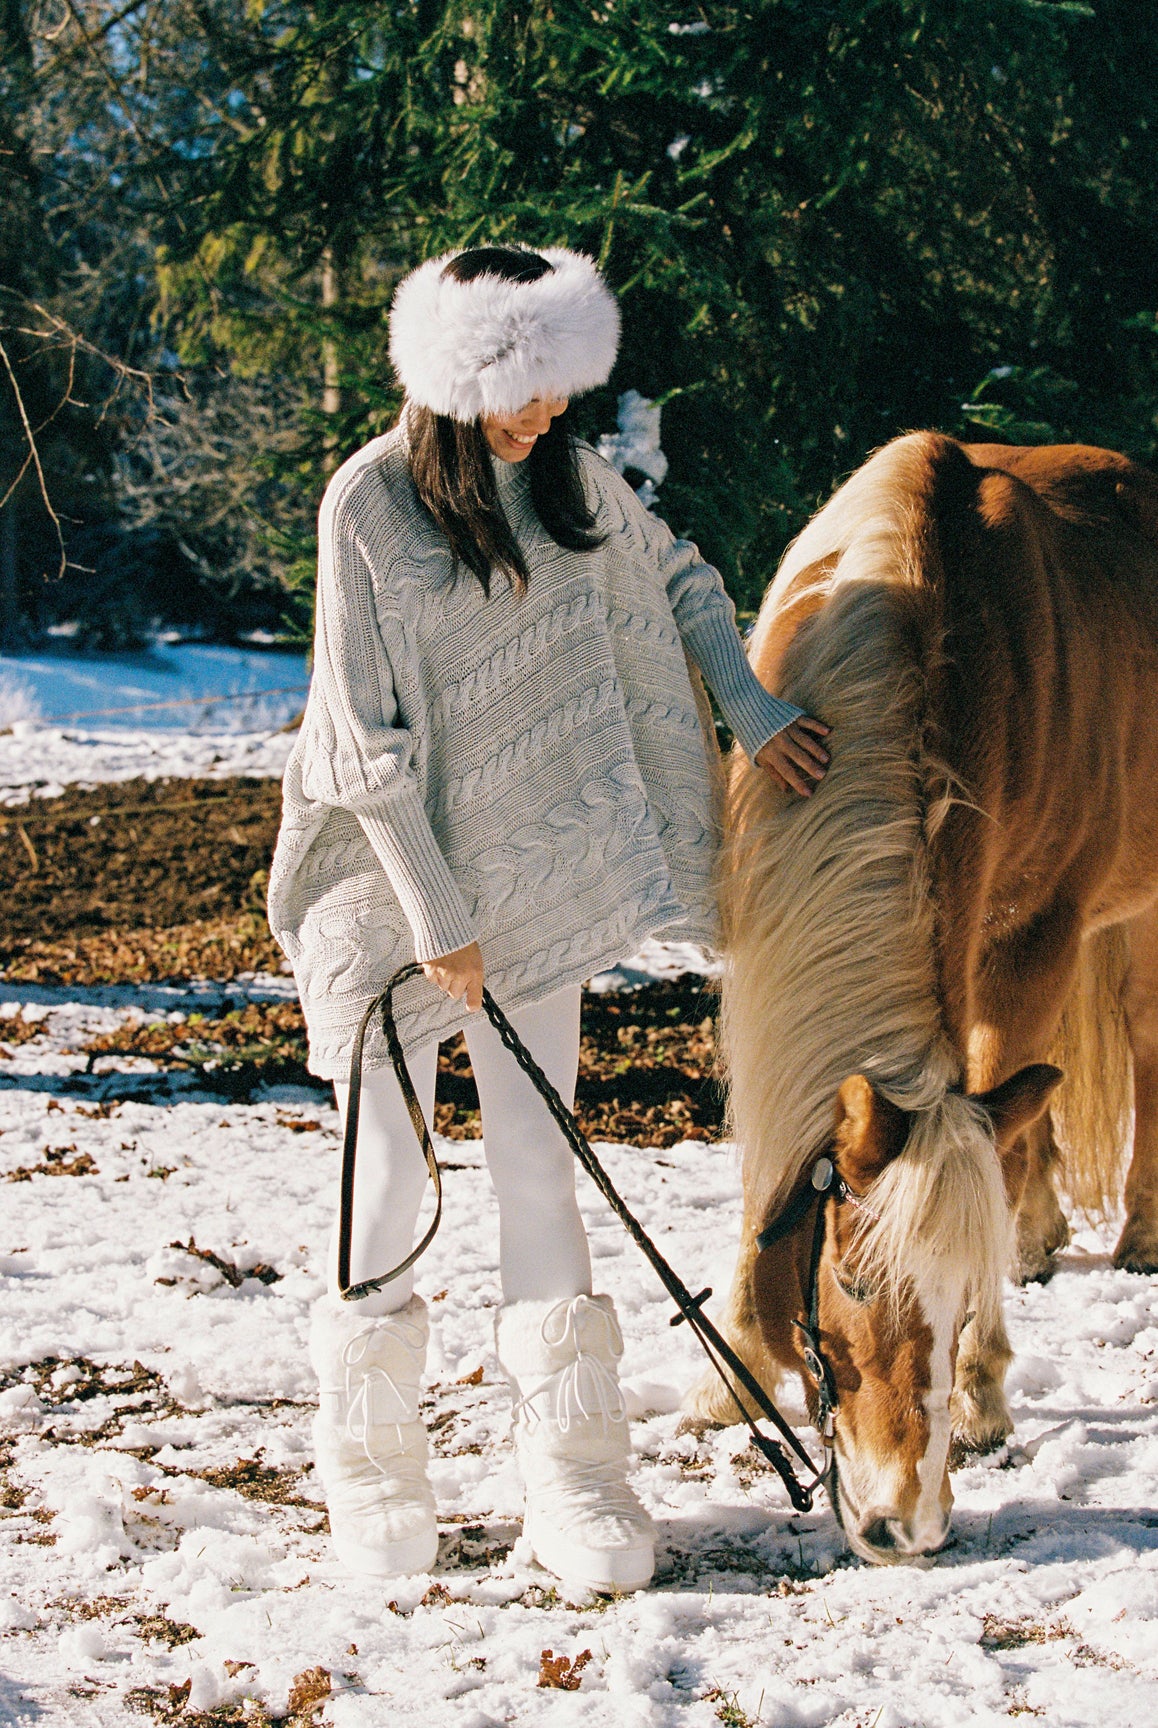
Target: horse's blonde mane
{"points": [[828, 904]]}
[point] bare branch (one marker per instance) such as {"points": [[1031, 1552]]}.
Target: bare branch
{"points": [[34, 455], [110, 24], [90, 43], [24, 467], [57, 332]]}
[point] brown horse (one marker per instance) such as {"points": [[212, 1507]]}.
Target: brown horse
{"points": [[970, 894]]}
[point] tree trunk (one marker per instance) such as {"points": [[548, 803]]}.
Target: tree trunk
{"points": [[9, 600], [331, 368]]}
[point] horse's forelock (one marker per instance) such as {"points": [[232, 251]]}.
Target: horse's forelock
{"points": [[937, 1221]]}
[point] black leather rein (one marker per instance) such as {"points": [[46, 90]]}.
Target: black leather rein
{"points": [[719, 1352]]}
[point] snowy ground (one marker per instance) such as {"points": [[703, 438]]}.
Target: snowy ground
{"points": [[168, 686], [165, 1551], [39, 761], [233, 734], [163, 1523]]}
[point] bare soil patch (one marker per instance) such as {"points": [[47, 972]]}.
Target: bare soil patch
{"points": [[164, 881], [138, 881]]}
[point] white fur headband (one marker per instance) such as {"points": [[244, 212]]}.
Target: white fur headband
{"points": [[490, 346]]}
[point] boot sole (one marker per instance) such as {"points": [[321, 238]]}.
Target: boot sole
{"points": [[618, 1571], [401, 1559]]}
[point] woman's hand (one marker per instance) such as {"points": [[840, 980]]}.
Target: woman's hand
{"points": [[459, 974], [795, 753]]}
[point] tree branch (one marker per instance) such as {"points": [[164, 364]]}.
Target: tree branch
{"points": [[34, 457]]}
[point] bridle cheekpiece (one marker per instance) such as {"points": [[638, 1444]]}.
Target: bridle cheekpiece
{"points": [[824, 1183]]}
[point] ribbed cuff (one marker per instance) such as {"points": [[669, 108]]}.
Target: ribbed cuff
{"points": [[404, 844], [753, 713]]}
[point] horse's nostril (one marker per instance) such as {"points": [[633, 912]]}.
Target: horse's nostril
{"points": [[878, 1534]]}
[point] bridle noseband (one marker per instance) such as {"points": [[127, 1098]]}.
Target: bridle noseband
{"points": [[824, 1183]]}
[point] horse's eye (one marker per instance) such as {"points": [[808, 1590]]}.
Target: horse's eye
{"points": [[856, 1289]]}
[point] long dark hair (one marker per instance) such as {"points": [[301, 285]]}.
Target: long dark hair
{"points": [[450, 461]]}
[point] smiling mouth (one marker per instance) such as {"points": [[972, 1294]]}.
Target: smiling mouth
{"points": [[523, 439]]}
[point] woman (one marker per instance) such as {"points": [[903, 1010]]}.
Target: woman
{"points": [[503, 772]]}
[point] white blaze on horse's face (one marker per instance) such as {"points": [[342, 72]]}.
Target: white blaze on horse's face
{"points": [[894, 1380]]}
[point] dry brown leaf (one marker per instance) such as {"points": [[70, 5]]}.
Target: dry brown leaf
{"points": [[309, 1689], [474, 1378], [232, 1274], [562, 1673], [56, 1163]]}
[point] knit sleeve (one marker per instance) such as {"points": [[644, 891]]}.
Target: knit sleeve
{"points": [[706, 620], [356, 756]]}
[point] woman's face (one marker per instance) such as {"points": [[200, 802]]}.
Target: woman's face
{"points": [[512, 436]]}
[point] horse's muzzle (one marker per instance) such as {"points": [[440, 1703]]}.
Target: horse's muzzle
{"points": [[888, 1541]]}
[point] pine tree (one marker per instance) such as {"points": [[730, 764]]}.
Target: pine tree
{"points": [[828, 222]]}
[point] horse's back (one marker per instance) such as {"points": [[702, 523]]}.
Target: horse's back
{"points": [[1049, 703], [1028, 580], [1084, 485]]}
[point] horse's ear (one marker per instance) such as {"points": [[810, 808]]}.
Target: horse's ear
{"points": [[870, 1132], [1017, 1103]]}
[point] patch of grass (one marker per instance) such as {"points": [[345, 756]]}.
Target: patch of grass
{"points": [[91, 1607], [17, 1029], [41, 1538], [79, 1379], [729, 1709], [169, 1704], [999, 1634], [64, 1383], [218, 948], [262, 1043], [471, 1550], [1019, 1704], [539, 1596]]}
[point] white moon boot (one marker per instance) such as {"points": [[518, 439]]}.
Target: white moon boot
{"points": [[583, 1521], [369, 1442]]}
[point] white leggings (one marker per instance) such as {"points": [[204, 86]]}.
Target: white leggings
{"points": [[543, 1251]]}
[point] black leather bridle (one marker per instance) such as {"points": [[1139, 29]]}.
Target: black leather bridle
{"points": [[824, 1184]]}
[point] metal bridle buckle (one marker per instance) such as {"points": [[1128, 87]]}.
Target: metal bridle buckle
{"points": [[814, 1365]]}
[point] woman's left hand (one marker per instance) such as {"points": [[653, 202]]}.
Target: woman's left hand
{"points": [[796, 754], [459, 975]]}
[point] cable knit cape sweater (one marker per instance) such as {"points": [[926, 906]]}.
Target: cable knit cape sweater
{"points": [[529, 772]]}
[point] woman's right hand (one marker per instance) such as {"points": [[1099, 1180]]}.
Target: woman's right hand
{"points": [[459, 974]]}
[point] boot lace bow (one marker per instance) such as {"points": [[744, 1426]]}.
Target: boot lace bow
{"points": [[586, 1386], [371, 1390]]}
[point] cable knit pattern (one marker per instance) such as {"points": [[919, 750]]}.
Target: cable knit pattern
{"points": [[529, 772]]}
